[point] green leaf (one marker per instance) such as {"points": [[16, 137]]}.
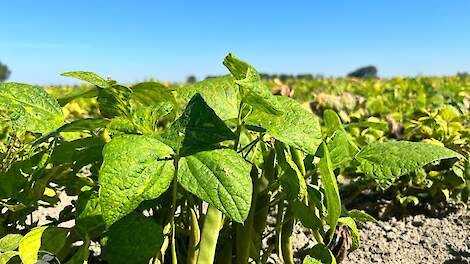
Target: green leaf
{"points": [[82, 93], [296, 126], [342, 149], [221, 94], [10, 242], [114, 101], [87, 124], [133, 239], [10, 257], [151, 93], [81, 255], [14, 180], [42, 239], [79, 152], [292, 180], [328, 179], [361, 216], [310, 260], [135, 168], [356, 238], [383, 126], [307, 217], [385, 162], [30, 108], [237, 67], [220, 177], [252, 90], [323, 254], [90, 77], [317, 197], [88, 215], [145, 118], [332, 122], [198, 128]]}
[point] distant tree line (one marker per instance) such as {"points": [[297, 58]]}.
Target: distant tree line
{"points": [[367, 72], [4, 72], [283, 77]]}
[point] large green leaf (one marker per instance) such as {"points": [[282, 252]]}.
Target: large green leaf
{"points": [[135, 168], [253, 91], [296, 126], [133, 239], [43, 239], [90, 77], [385, 162], [328, 180], [30, 108], [220, 177], [198, 128], [220, 93]]}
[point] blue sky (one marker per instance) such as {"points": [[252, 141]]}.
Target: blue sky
{"points": [[169, 40]]}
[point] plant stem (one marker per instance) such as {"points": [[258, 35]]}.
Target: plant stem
{"points": [[210, 234], [174, 258]]}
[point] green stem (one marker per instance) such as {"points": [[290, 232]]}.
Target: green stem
{"points": [[174, 259], [210, 234]]}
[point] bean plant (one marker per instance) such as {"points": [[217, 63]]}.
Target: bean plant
{"points": [[219, 171]]}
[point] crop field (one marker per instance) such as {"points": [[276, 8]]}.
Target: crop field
{"points": [[224, 170]]}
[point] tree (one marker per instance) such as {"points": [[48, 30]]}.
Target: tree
{"points": [[4, 72], [368, 72], [191, 79]]}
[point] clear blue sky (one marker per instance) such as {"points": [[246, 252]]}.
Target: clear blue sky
{"points": [[169, 40]]}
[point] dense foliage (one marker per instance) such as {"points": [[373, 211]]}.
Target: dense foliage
{"points": [[427, 109], [187, 174]]}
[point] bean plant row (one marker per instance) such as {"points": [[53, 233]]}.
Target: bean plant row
{"points": [[219, 171]]}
